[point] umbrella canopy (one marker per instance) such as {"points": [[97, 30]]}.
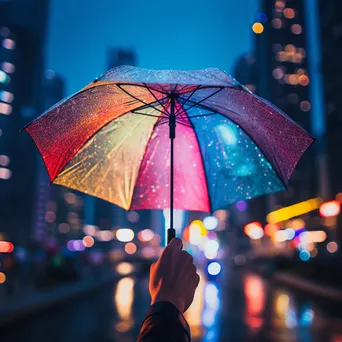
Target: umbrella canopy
{"points": [[116, 139]]}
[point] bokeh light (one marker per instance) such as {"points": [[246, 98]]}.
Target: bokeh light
{"points": [[304, 255], [332, 247], [258, 28], [331, 208], [6, 247], [2, 277], [125, 234], [145, 235], [88, 241], [210, 222], [214, 268], [130, 248]]}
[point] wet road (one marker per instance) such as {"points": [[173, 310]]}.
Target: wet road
{"points": [[238, 307]]}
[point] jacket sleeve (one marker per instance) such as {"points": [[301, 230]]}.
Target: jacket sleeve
{"points": [[163, 322]]}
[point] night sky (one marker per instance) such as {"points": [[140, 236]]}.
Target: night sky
{"points": [[179, 34]]}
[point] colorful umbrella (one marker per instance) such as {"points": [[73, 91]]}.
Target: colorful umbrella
{"points": [[155, 139]]}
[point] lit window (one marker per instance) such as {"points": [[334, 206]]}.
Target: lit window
{"points": [[6, 96], [304, 80], [5, 108], [8, 44], [5, 173], [4, 160], [258, 28], [8, 67], [277, 23], [296, 29], [305, 106], [289, 13]]}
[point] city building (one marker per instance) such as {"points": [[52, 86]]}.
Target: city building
{"points": [[283, 79], [21, 73]]}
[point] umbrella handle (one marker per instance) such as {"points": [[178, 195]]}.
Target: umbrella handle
{"points": [[171, 233]]}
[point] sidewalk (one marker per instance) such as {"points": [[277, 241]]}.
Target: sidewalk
{"points": [[306, 285], [18, 308]]}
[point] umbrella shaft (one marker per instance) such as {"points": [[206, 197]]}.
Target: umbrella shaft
{"points": [[172, 125]]}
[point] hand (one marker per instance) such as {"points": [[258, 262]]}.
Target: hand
{"points": [[173, 277]]}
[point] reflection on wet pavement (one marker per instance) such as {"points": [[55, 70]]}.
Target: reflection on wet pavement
{"points": [[237, 307]]}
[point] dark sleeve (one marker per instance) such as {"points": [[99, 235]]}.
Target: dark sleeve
{"points": [[163, 322]]}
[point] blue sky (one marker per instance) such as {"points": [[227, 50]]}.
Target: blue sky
{"points": [[178, 34]]}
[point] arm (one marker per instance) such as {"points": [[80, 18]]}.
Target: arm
{"points": [[173, 281]]}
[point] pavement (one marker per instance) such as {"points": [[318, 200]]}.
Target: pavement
{"points": [[308, 286], [19, 307]]}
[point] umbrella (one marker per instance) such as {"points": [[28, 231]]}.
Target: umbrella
{"points": [[154, 139]]}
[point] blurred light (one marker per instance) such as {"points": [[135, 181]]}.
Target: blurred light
{"points": [[254, 290], [6, 247], [132, 216], [298, 209], [50, 217], [125, 235], [258, 28], [339, 197], [313, 236], [289, 13], [280, 5], [332, 247], [8, 67], [221, 214], [214, 268], [88, 241], [8, 44], [3, 77], [70, 198], [5, 108], [314, 252], [4, 160], [307, 318], [261, 17], [280, 236], [196, 232], [296, 29], [124, 268], [124, 296], [297, 223], [210, 249], [278, 73], [105, 235], [90, 229], [64, 228], [251, 87], [210, 222], [270, 229], [5, 173], [148, 252], [290, 233], [145, 235], [304, 255], [130, 248], [2, 277], [254, 230], [78, 245], [305, 106], [304, 80], [331, 208], [277, 23], [6, 96], [70, 245], [282, 302], [241, 206], [228, 134], [50, 74]]}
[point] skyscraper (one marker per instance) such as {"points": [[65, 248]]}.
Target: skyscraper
{"points": [[21, 73], [283, 79]]}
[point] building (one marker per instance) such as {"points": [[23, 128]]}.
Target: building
{"points": [[21, 73], [284, 80]]}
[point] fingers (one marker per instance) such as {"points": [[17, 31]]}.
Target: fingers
{"points": [[175, 244]]}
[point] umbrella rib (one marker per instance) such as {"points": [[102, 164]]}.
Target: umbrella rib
{"points": [[167, 112], [192, 93], [154, 116], [143, 86], [136, 98], [205, 98]]}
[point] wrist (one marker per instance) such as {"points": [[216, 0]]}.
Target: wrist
{"points": [[165, 298]]}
